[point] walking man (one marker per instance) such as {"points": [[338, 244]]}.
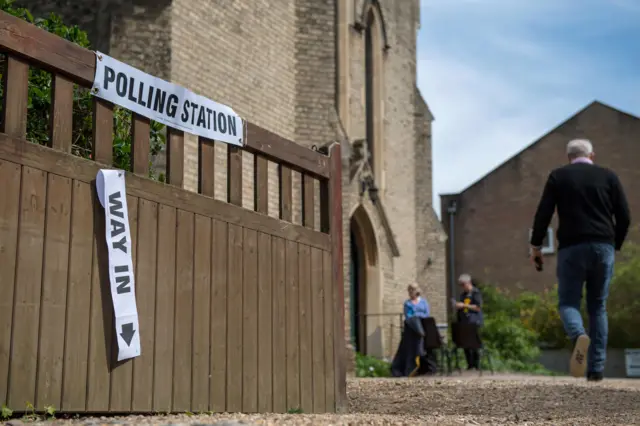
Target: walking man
{"points": [[593, 219]]}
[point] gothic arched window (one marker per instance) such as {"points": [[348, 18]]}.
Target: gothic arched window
{"points": [[374, 47]]}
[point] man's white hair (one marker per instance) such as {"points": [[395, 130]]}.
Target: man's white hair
{"points": [[464, 278], [579, 148]]}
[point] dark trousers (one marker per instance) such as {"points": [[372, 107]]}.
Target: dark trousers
{"points": [[473, 358]]}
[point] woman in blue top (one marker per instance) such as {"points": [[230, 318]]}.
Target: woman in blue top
{"points": [[415, 305], [411, 358]]}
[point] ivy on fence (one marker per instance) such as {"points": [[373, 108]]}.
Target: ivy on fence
{"points": [[39, 105]]}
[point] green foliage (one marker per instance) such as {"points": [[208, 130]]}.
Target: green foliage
{"points": [[508, 337], [538, 313], [368, 366], [39, 104], [513, 346], [624, 300], [295, 411], [50, 411], [623, 307], [6, 412], [30, 413], [543, 318]]}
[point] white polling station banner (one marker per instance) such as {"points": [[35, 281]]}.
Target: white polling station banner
{"points": [[165, 102], [112, 194]]}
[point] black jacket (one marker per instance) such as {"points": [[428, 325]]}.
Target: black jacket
{"points": [[474, 297], [591, 205]]}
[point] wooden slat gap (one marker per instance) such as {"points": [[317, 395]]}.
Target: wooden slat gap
{"points": [[284, 151], [47, 159]]}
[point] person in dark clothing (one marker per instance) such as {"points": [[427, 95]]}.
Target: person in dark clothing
{"points": [[593, 219], [469, 310]]}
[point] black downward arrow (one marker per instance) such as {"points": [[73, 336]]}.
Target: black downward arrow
{"points": [[127, 333]]}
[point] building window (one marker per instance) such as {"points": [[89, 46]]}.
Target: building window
{"points": [[369, 71], [374, 46], [549, 242]]}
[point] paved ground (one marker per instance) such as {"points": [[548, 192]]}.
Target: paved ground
{"points": [[467, 400]]}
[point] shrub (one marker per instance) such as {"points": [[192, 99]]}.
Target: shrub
{"points": [[538, 313], [514, 347], [368, 366], [543, 318], [39, 104], [624, 300]]}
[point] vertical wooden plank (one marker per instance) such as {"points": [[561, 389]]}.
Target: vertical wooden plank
{"points": [[101, 339], [250, 321], [201, 314], [218, 367], [286, 194], [122, 371], [279, 326], [318, 325], [61, 126], [329, 318], [308, 201], [261, 183], [76, 340], [206, 166], [142, 389], [293, 319], [333, 215], [234, 320], [164, 310], [306, 366], [16, 97], [265, 325], [183, 336], [26, 315], [234, 175], [102, 131], [140, 148], [9, 209], [54, 292], [175, 157]]}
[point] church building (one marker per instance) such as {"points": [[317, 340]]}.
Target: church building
{"points": [[314, 72]]}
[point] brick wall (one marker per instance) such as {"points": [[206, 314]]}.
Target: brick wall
{"points": [[135, 32], [399, 194], [245, 59], [495, 214], [430, 238]]}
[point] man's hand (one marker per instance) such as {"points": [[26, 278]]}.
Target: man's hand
{"points": [[536, 253], [460, 305]]}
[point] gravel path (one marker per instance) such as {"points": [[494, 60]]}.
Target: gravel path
{"points": [[467, 400]]}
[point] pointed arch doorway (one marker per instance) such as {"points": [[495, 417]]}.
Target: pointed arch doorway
{"points": [[365, 294]]}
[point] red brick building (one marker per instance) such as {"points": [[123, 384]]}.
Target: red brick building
{"points": [[490, 227]]}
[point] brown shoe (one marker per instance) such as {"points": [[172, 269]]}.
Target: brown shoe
{"points": [[578, 363]]}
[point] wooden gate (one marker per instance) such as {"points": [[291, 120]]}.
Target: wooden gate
{"points": [[239, 311]]}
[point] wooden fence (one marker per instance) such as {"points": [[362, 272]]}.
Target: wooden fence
{"points": [[238, 311]]}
